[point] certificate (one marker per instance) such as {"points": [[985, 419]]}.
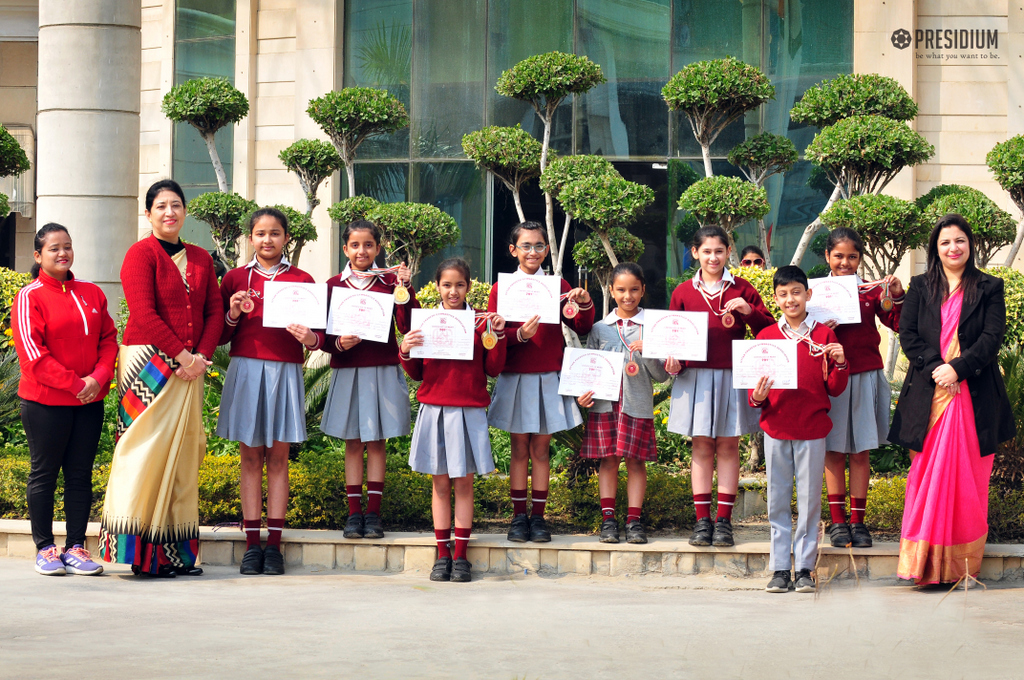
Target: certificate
{"points": [[520, 297], [591, 370], [752, 359], [361, 313], [834, 298], [286, 303], [447, 333], [680, 335]]}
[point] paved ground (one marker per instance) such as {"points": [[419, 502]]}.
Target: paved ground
{"points": [[338, 625]]}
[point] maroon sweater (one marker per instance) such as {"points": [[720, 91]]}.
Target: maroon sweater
{"points": [[160, 313], [453, 382], [543, 352], [365, 352], [802, 414], [686, 298], [860, 341], [246, 334]]}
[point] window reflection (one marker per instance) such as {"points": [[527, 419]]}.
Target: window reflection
{"points": [[458, 189]]}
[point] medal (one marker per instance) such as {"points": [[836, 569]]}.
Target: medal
{"points": [[728, 320], [886, 301], [489, 339], [570, 310], [247, 304], [402, 295], [632, 367]]}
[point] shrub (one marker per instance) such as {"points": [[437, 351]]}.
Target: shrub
{"points": [[313, 161], [413, 231], [509, 153], [764, 155], [725, 201], [761, 279], [1013, 282], [853, 94], [603, 202], [300, 230], [890, 227], [224, 213], [993, 227], [479, 293], [13, 159], [351, 209]]}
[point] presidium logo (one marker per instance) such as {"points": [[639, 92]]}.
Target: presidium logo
{"points": [[946, 39]]}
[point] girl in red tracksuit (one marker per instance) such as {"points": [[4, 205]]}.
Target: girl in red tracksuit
{"points": [[451, 441], [66, 344]]}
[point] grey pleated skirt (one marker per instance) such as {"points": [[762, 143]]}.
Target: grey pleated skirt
{"points": [[704, 404], [262, 402], [451, 440], [860, 415], [369, 403], [529, 403]]}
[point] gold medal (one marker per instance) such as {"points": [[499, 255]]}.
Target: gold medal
{"points": [[401, 294], [632, 368], [489, 339], [886, 303], [570, 310], [728, 320], [248, 305]]}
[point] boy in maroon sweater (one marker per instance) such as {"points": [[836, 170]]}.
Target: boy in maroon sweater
{"points": [[795, 424]]}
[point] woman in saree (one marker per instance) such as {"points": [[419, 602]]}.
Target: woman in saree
{"points": [[953, 407], [151, 513]]}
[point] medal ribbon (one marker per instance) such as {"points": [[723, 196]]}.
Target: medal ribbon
{"points": [[248, 283], [620, 329], [816, 349], [708, 297], [373, 273], [871, 285]]}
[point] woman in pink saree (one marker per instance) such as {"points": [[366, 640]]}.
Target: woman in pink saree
{"points": [[953, 407]]}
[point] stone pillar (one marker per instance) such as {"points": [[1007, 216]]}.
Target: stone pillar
{"points": [[90, 69]]}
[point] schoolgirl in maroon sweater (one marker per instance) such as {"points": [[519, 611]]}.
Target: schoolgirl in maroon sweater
{"points": [[704, 405], [525, 400], [368, 400], [451, 440], [860, 415], [263, 400]]}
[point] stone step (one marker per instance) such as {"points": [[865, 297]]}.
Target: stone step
{"points": [[413, 552]]}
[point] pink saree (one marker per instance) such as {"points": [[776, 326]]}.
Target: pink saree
{"points": [[945, 519]]}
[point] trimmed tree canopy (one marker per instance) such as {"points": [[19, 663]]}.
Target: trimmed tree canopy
{"points": [[13, 160], [566, 169], [351, 115], [545, 80], [207, 104], [313, 160], [1006, 161], [224, 213], [764, 155], [725, 201], [413, 231], [511, 153], [300, 229], [605, 201], [862, 154], [351, 209], [993, 227], [890, 227], [853, 94], [590, 252], [5, 207]]}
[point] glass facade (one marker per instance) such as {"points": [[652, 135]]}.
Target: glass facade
{"points": [[204, 45], [443, 57]]}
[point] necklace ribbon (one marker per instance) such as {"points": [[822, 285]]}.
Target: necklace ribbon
{"points": [[620, 329], [816, 349], [248, 283]]}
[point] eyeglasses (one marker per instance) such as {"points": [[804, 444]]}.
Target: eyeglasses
{"points": [[751, 263], [532, 247]]}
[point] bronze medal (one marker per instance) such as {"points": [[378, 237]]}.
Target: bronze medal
{"points": [[728, 320], [824, 368], [489, 340], [248, 305], [570, 310], [886, 303], [401, 294], [632, 368]]}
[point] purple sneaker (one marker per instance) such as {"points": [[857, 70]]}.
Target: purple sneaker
{"points": [[77, 560], [48, 562]]}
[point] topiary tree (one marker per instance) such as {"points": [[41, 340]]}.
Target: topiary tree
{"points": [[758, 158], [313, 161], [993, 227], [509, 153], [727, 202], [561, 172], [352, 209], [413, 231], [545, 80], [224, 213], [5, 207], [712, 94], [591, 254], [207, 104], [603, 202], [352, 115], [1006, 161], [300, 231], [13, 162]]}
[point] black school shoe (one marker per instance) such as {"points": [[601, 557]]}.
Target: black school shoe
{"points": [[635, 532], [804, 581], [839, 534], [861, 537], [702, 531], [610, 531], [780, 583], [353, 527], [462, 571], [442, 570], [539, 530], [519, 532], [273, 561], [252, 561], [372, 526], [722, 538], [188, 571]]}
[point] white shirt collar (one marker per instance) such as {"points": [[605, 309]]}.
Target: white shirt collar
{"points": [[612, 317], [727, 278], [519, 272], [806, 326], [280, 266], [361, 283]]}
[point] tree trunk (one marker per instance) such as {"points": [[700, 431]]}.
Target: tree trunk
{"points": [[606, 242], [350, 172], [549, 204], [811, 229], [762, 233], [561, 248], [218, 168], [706, 152], [1016, 245], [519, 205], [297, 252], [756, 451], [890, 363]]}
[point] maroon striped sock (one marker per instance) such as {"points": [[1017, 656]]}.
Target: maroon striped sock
{"points": [[857, 507], [540, 501], [608, 508], [726, 501], [443, 537], [252, 532], [702, 504], [461, 542], [374, 494], [837, 507], [355, 498], [274, 529], [632, 515], [518, 497]]}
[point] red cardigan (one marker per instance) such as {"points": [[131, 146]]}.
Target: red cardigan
{"points": [[543, 352], [365, 352], [860, 341], [802, 414], [63, 334], [246, 334], [161, 313], [686, 298]]}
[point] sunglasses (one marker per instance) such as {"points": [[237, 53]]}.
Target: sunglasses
{"points": [[752, 263]]}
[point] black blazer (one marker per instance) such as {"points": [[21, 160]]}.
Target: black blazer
{"points": [[981, 330]]}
